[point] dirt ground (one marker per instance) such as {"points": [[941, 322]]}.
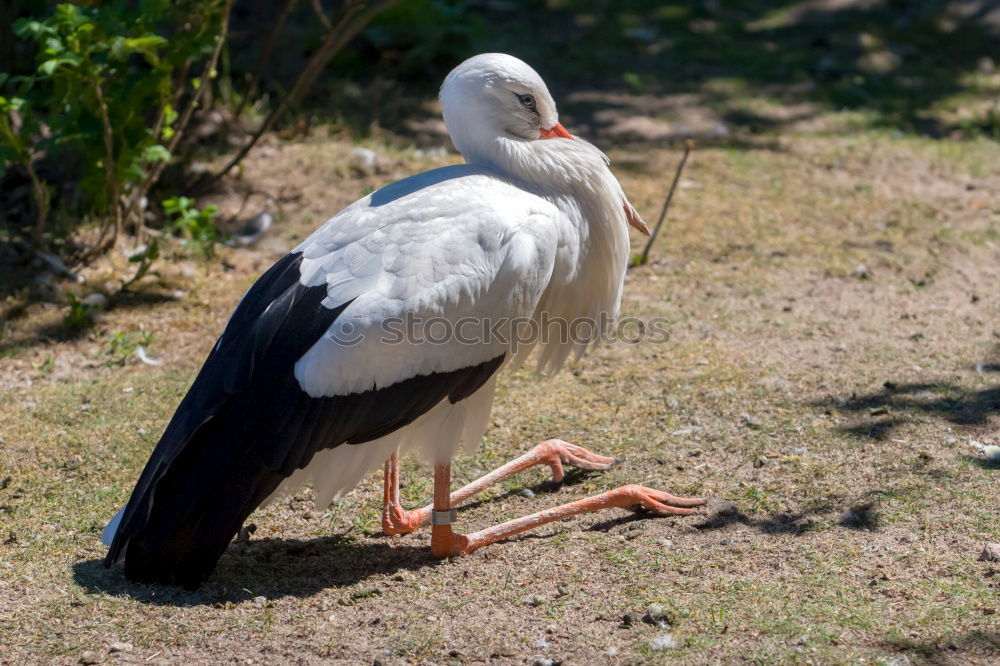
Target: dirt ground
{"points": [[833, 362]]}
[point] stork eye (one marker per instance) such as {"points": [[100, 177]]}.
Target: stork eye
{"points": [[527, 101]]}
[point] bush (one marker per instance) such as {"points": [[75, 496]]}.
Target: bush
{"points": [[103, 101]]}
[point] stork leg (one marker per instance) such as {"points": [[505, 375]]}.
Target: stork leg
{"points": [[445, 543], [552, 452], [396, 519]]}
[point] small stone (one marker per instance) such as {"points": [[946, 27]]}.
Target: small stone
{"points": [[120, 647], [528, 492], [666, 543], [89, 657], [749, 421], [663, 642], [611, 651], [260, 601], [365, 161], [534, 600], [245, 533], [861, 272], [631, 619], [991, 553], [543, 662], [96, 300], [725, 542], [658, 616], [253, 230], [991, 451]]}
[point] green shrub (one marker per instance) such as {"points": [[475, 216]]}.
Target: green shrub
{"points": [[197, 228], [108, 83]]}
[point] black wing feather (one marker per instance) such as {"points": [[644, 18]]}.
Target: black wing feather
{"points": [[245, 425]]}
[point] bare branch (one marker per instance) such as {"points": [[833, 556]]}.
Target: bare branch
{"points": [[353, 18], [318, 8], [265, 54], [688, 146], [157, 169], [109, 160]]}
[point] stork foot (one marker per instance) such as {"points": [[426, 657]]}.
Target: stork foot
{"points": [[555, 453], [397, 520], [626, 497]]}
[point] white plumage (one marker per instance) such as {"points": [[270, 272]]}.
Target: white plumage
{"points": [[453, 243]]}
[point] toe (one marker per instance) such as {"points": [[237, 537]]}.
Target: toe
{"points": [[596, 463], [674, 500], [666, 510], [585, 459]]}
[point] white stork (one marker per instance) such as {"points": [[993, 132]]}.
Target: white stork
{"points": [[306, 386]]}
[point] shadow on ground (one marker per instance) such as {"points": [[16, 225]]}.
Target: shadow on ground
{"points": [[775, 523], [752, 67], [289, 567], [60, 327], [269, 568], [950, 650], [883, 411]]}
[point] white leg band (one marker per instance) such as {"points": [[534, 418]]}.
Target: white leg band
{"points": [[444, 517]]}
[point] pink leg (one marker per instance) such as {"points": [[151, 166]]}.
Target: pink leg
{"points": [[445, 543], [551, 452]]}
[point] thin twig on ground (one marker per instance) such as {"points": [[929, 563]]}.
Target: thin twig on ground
{"points": [[644, 257]]}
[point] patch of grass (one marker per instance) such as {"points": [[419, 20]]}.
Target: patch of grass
{"points": [[80, 315], [120, 347]]}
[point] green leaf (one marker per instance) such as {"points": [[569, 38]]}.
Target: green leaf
{"points": [[50, 66], [146, 43], [155, 153], [11, 104], [147, 46], [169, 114]]}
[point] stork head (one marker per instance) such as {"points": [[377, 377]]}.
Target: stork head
{"points": [[499, 113], [495, 95]]}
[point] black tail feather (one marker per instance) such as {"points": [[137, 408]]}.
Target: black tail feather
{"points": [[245, 425]]}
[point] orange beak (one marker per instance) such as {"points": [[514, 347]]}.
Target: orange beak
{"points": [[557, 131]]}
